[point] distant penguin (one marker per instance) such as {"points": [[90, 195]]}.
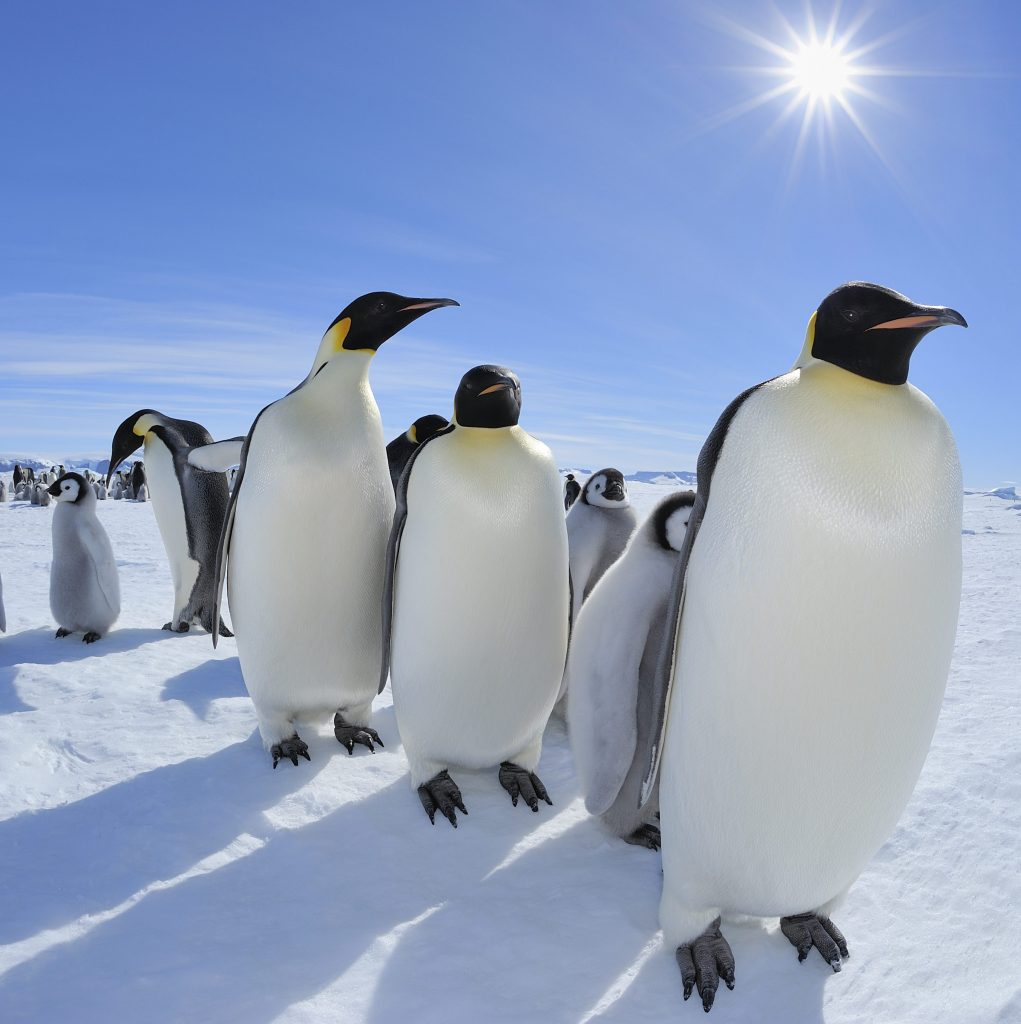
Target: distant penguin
{"points": [[84, 587], [30, 475], [35, 494], [477, 602], [809, 635], [401, 448], [189, 506], [44, 496], [138, 477], [615, 647], [304, 581], [142, 494], [3, 491], [22, 494], [571, 491], [118, 491], [19, 475]]}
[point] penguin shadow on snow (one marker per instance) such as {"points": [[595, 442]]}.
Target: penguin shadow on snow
{"points": [[93, 854], [272, 927], [40, 646], [198, 687]]}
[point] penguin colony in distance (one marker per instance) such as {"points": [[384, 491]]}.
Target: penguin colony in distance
{"points": [[401, 448], [304, 583], [475, 675], [190, 506], [615, 649], [84, 586], [808, 638]]}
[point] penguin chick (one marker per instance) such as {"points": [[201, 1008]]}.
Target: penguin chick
{"points": [[615, 649], [401, 448], [84, 587]]}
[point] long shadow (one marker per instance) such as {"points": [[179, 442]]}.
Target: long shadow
{"points": [[40, 647], [275, 926], [10, 701], [198, 687]]}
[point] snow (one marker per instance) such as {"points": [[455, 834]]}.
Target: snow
{"points": [[156, 869]]}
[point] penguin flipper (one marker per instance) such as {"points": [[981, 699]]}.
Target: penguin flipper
{"points": [[217, 457], [393, 546], [708, 457]]}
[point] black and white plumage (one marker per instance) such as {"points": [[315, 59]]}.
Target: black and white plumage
{"points": [[401, 448], [84, 584], [615, 648]]}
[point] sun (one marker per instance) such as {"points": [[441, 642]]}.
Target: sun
{"points": [[821, 71]]}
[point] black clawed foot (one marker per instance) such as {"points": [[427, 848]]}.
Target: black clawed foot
{"points": [[349, 735], [91, 637], [519, 781], [224, 631], [61, 633], [171, 628], [441, 793], [704, 962], [645, 835], [804, 931], [292, 748]]}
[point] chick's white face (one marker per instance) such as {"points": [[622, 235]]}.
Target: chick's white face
{"points": [[68, 491], [603, 493], [677, 526]]}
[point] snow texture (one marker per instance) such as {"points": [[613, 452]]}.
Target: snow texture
{"points": [[156, 869]]}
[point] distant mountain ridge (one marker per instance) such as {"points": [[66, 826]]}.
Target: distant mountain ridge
{"points": [[96, 463], [646, 476]]}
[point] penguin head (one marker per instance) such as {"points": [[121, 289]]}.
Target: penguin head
{"points": [[606, 489], [570, 476], [71, 488], [488, 396], [129, 435], [670, 519], [363, 325], [872, 331], [424, 427]]}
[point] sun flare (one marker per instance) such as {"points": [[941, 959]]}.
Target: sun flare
{"points": [[821, 71]]}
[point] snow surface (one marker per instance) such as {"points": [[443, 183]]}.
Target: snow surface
{"points": [[155, 869]]}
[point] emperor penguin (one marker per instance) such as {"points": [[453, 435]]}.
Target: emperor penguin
{"points": [[571, 491], [84, 587], [401, 448], [615, 648], [808, 636], [3, 491], [475, 674], [305, 580], [18, 475], [189, 505]]}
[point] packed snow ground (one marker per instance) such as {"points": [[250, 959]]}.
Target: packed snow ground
{"points": [[155, 869]]}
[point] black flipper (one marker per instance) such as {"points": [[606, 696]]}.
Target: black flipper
{"points": [[708, 457], [393, 547]]}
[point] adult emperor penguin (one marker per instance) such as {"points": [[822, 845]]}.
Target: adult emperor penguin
{"points": [[304, 581], [475, 675], [401, 448], [189, 505], [808, 635], [571, 491], [615, 648], [84, 587]]}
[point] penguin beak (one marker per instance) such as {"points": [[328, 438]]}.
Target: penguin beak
{"points": [[494, 388], [54, 489], [928, 317], [614, 491], [424, 305]]}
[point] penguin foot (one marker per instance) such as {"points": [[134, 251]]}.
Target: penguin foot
{"points": [[441, 793], [519, 781], [645, 835], [224, 631], [91, 637], [804, 931], [703, 962], [61, 633], [292, 748], [182, 628], [349, 735]]}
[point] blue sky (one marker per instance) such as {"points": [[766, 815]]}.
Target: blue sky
{"points": [[191, 192]]}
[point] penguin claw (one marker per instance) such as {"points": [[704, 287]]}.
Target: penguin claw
{"points": [[703, 962], [171, 628], [645, 835], [292, 748], [803, 931], [61, 633], [519, 781], [349, 735], [91, 637], [441, 794]]}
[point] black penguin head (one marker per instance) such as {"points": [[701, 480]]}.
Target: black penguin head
{"points": [[424, 427], [71, 487], [128, 437], [570, 476], [606, 489], [363, 325], [488, 396], [872, 331], [670, 519]]}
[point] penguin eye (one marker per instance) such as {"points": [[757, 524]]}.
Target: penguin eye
{"points": [[380, 308], [850, 315]]}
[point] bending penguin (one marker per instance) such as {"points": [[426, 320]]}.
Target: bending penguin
{"points": [[304, 581], [615, 650], [85, 592], [400, 449], [808, 637], [189, 505], [474, 675]]}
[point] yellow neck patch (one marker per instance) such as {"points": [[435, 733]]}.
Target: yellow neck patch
{"points": [[810, 333], [337, 334], [144, 424], [413, 434]]}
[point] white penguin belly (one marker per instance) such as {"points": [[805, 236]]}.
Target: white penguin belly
{"points": [[168, 505], [817, 630], [479, 633], [305, 569]]}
